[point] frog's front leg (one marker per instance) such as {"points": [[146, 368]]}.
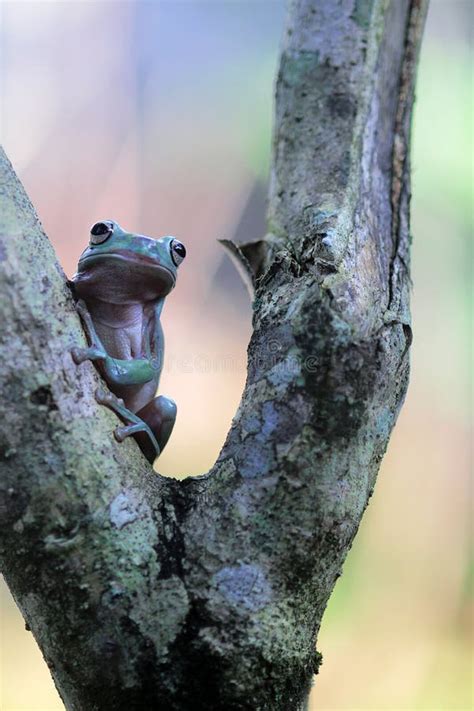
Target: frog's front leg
{"points": [[116, 372], [96, 350]]}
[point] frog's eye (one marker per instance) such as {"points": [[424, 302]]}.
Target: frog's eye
{"points": [[178, 252], [101, 231]]}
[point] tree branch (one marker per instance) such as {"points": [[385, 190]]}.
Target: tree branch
{"points": [[208, 593]]}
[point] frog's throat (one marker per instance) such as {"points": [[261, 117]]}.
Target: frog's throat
{"points": [[125, 256]]}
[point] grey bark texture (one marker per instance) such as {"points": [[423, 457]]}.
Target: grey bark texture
{"points": [[208, 593]]}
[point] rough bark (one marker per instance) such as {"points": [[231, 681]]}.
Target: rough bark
{"points": [[208, 593]]}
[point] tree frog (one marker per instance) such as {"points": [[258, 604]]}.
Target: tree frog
{"points": [[121, 284]]}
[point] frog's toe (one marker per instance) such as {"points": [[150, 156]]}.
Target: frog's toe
{"points": [[107, 398], [121, 433], [103, 397], [79, 355]]}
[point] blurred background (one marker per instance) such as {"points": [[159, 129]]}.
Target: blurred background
{"points": [[158, 115]]}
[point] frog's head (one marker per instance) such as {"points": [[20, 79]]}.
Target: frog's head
{"points": [[120, 266]]}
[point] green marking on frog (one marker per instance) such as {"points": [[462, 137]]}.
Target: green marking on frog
{"points": [[121, 284]]}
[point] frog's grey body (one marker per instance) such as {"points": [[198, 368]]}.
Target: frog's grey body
{"points": [[122, 281]]}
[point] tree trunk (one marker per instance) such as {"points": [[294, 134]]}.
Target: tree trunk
{"points": [[208, 593]]}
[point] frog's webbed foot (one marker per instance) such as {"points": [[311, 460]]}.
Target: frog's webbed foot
{"points": [[134, 426]]}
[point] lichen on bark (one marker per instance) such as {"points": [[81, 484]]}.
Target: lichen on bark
{"points": [[208, 593]]}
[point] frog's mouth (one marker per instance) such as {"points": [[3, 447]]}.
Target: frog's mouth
{"points": [[130, 257]]}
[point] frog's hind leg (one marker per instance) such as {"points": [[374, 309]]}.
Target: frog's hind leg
{"points": [[160, 416], [135, 426]]}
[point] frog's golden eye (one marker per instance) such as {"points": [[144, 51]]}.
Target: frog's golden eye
{"points": [[101, 231], [178, 252]]}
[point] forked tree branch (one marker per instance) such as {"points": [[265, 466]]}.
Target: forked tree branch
{"points": [[208, 593]]}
